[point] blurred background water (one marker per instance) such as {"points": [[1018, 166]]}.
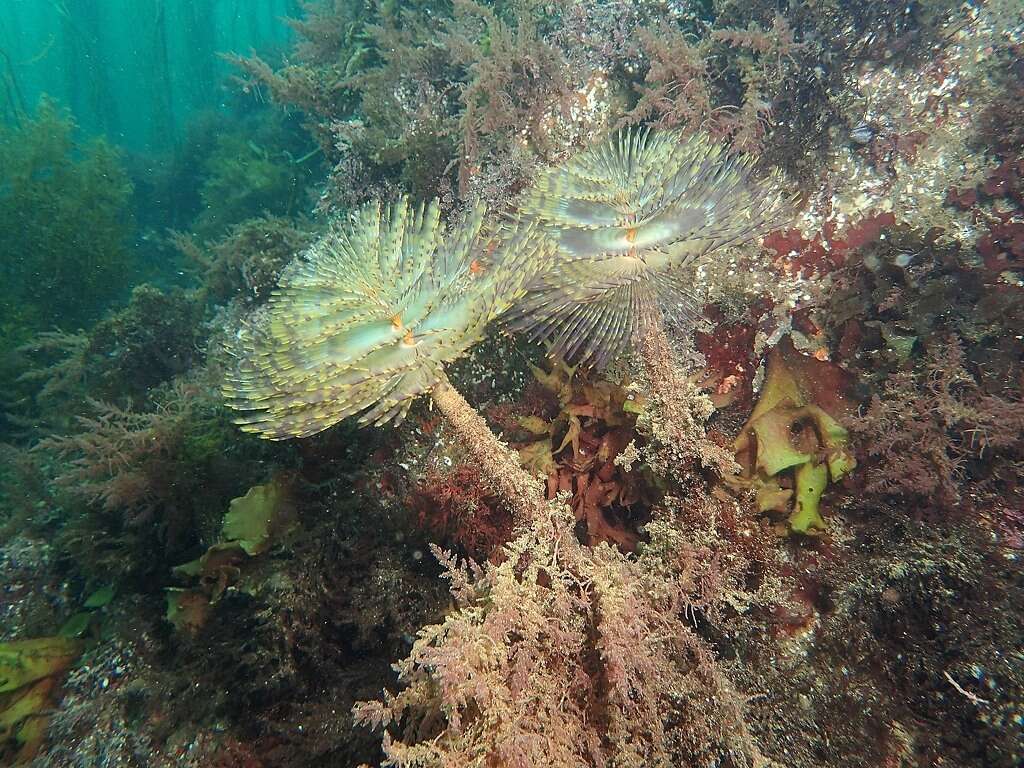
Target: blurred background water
{"points": [[123, 122], [135, 71]]}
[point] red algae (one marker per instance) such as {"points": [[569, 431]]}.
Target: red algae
{"points": [[827, 250], [728, 350], [455, 505]]}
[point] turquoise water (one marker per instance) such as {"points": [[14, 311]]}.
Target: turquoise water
{"points": [[136, 71]]}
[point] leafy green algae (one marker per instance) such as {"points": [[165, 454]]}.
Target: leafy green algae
{"points": [[793, 444], [25, 661]]}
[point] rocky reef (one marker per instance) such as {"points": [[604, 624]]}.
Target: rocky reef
{"points": [[688, 345]]}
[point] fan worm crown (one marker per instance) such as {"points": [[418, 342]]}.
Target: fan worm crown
{"points": [[627, 215], [365, 319]]}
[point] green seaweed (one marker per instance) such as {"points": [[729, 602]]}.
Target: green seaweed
{"points": [[77, 625], [244, 179], [252, 524], [64, 221], [100, 598], [793, 435], [811, 479], [252, 520]]}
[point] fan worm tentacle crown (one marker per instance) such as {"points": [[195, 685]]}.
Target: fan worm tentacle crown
{"points": [[627, 216], [364, 321]]}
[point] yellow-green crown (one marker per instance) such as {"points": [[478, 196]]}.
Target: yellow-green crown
{"points": [[365, 319], [627, 215]]}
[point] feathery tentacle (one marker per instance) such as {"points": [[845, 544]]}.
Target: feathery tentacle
{"points": [[627, 216], [363, 322]]}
